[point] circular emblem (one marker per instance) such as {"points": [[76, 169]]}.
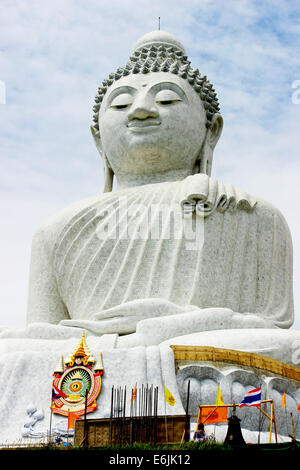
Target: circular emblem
{"points": [[75, 383]]}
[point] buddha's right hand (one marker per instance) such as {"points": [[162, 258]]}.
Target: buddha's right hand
{"points": [[123, 319]]}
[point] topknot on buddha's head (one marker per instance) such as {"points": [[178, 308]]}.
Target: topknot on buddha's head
{"points": [[158, 38], [160, 51]]}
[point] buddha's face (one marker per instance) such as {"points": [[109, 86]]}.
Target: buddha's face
{"points": [[151, 123]]}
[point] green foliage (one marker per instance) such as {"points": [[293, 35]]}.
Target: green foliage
{"points": [[175, 446]]}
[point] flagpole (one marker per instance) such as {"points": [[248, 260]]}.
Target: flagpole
{"points": [[50, 422], [271, 422], [293, 428], [260, 412], [68, 425], [85, 422], [275, 429], [259, 426], [51, 412], [166, 421], [187, 430], [198, 421]]}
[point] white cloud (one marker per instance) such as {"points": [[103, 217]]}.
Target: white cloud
{"points": [[54, 54]]}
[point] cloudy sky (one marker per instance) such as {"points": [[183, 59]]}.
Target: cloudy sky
{"points": [[55, 53]]}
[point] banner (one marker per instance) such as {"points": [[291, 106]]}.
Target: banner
{"points": [[71, 419], [212, 415]]}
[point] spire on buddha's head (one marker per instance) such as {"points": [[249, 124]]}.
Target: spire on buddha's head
{"points": [[160, 51]]}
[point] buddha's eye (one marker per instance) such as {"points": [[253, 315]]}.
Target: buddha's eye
{"points": [[121, 101], [166, 102], [120, 106], [167, 97]]}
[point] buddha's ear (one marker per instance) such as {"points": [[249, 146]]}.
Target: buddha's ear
{"points": [[212, 136], [108, 172], [97, 139], [215, 130]]}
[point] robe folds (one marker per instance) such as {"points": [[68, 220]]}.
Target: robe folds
{"points": [[196, 242]]}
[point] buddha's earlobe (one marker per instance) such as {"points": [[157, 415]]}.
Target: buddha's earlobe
{"points": [[205, 157], [204, 162], [108, 175], [108, 172], [215, 130], [97, 139]]}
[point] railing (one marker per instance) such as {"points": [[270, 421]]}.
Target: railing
{"points": [[258, 361]]}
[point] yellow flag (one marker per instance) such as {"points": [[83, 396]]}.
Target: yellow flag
{"points": [[169, 397], [219, 400], [284, 400]]}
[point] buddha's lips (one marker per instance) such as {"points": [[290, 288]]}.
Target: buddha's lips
{"points": [[143, 124]]}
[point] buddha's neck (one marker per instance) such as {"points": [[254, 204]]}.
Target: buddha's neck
{"points": [[129, 181]]}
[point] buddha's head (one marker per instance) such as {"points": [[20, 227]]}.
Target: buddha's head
{"points": [[156, 115]]}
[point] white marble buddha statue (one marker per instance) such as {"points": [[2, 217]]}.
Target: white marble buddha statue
{"points": [[171, 251]]}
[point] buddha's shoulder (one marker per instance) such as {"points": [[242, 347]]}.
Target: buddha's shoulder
{"points": [[227, 197], [52, 227], [267, 209], [269, 215]]}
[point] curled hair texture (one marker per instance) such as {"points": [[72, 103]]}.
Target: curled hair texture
{"points": [[161, 59]]}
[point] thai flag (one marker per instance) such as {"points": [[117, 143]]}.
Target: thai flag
{"points": [[252, 398], [56, 393]]}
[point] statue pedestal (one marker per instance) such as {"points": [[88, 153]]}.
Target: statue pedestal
{"points": [[27, 367], [237, 372]]}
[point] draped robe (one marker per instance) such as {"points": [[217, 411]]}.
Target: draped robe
{"points": [[132, 245]]}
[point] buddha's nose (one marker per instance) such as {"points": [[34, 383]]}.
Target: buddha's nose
{"points": [[143, 108]]}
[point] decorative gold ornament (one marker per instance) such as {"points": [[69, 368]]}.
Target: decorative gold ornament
{"points": [[76, 386]]}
